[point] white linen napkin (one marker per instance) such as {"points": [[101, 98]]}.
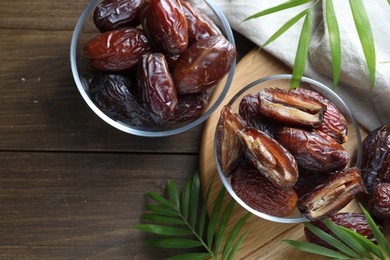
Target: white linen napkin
{"points": [[370, 109]]}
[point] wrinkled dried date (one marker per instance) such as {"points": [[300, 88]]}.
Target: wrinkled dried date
{"points": [[261, 194], [334, 123], [313, 150], [112, 93], [228, 144], [115, 14], [353, 221], [379, 203], [165, 25], [200, 26], [308, 180], [269, 157], [376, 157], [291, 108], [249, 110], [332, 195], [203, 65], [189, 107], [117, 50], [156, 87]]}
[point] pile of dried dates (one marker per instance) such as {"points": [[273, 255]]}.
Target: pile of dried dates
{"points": [[283, 150], [156, 60]]}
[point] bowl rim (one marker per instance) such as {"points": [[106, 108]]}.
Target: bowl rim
{"points": [[326, 90], [225, 26]]}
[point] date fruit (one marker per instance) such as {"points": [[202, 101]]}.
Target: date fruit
{"points": [[334, 123], [115, 14], [313, 150], [259, 193], [156, 87], [165, 25], [117, 50], [376, 157], [228, 144], [189, 107], [353, 221], [269, 157], [113, 94], [200, 26], [379, 203], [291, 108], [203, 65], [332, 195], [249, 110]]}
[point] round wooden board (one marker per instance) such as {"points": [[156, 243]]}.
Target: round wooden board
{"points": [[263, 240]]}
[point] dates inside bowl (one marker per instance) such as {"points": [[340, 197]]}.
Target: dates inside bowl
{"points": [[148, 67], [304, 142]]}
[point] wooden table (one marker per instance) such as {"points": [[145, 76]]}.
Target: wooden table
{"points": [[71, 186]]}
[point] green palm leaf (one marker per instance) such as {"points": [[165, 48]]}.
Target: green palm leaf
{"points": [[161, 210], [302, 51], [236, 246], [331, 240], [363, 28], [316, 249], [175, 242], [365, 242], [159, 199], [334, 40], [214, 217], [163, 230], [173, 194], [164, 219], [222, 225], [283, 6], [190, 256], [194, 198], [185, 198], [203, 211], [233, 234], [285, 27], [347, 239], [377, 233]]}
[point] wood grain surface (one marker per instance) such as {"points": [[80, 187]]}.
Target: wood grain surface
{"points": [[264, 237]]}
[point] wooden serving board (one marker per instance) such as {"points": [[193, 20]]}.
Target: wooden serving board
{"points": [[264, 237]]}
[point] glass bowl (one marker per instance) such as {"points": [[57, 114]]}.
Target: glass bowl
{"points": [[353, 146], [82, 73]]}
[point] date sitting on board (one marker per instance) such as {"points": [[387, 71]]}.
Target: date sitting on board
{"points": [[297, 134]]}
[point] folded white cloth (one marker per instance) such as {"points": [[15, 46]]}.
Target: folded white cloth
{"points": [[371, 109]]}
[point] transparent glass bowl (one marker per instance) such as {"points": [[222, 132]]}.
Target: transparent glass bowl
{"points": [[353, 146], [82, 74]]}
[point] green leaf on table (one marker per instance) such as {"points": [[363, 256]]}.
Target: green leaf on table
{"points": [[334, 40], [377, 233], [302, 51], [363, 28], [274, 9], [365, 242], [315, 249], [174, 242], [178, 217], [163, 230], [331, 240], [347, 239], [285, 27]]}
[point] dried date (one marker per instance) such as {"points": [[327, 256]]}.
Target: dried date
{"points": [[203, 65], [334, 123], [332, 195], [117, 50], [291, 108], [379, 203], [269, 157], [156, 87], [189, 107], [112, 93], [261, 194], [115, 14], [249, 110], [228, 144], [313, 150], [200, 26], [376, 157], [353, 221], [165, 25]]}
